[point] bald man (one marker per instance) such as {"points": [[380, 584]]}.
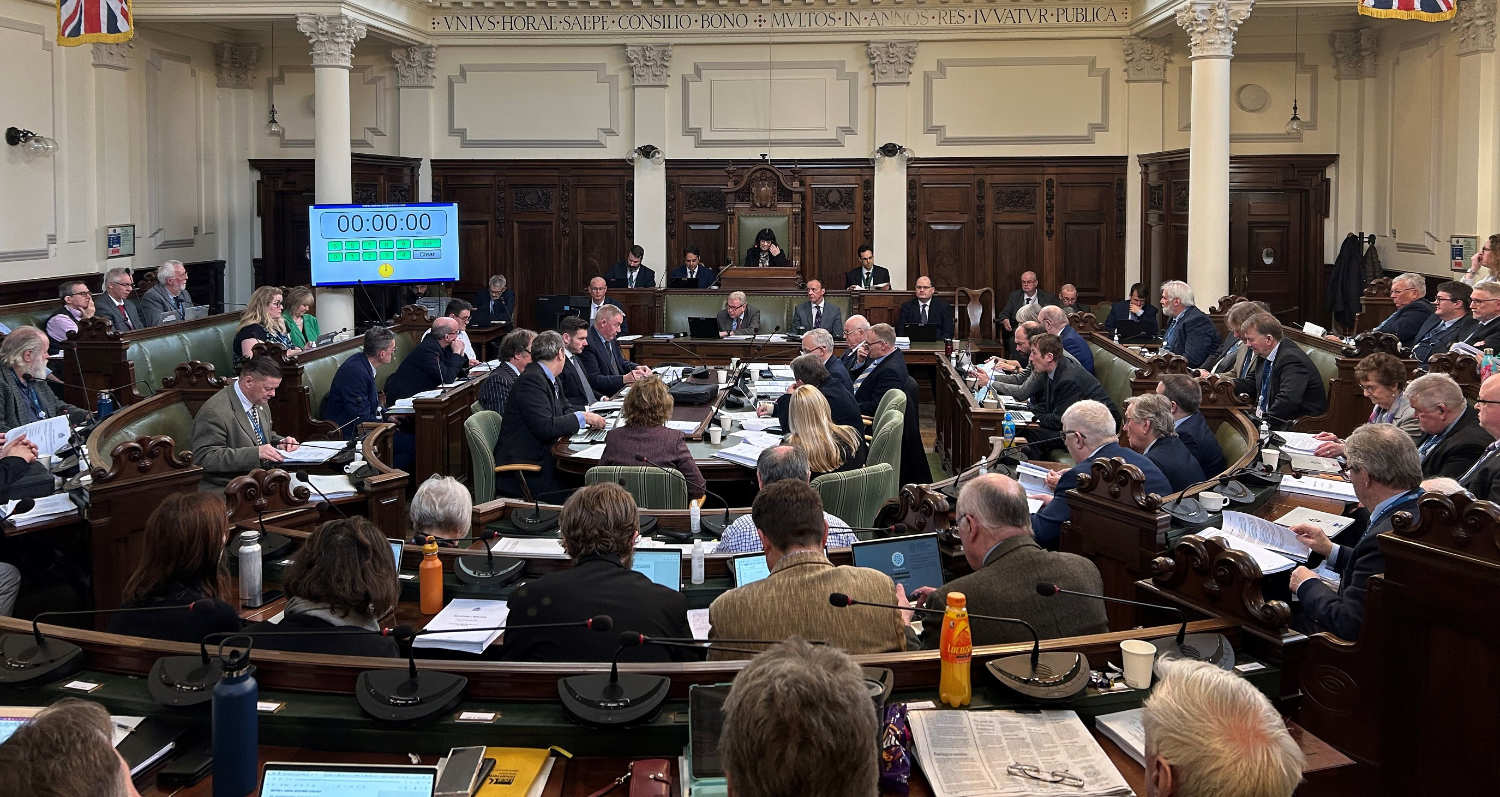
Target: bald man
{"points": [[437, 360]]}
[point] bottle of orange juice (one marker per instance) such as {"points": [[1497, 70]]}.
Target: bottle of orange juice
{"points": [[430, 579], [955, 648]]}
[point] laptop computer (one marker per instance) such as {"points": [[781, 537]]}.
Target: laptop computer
{"points": [[702, 327], [286, 779], [662, 565], [1131, 331], [196, 312], [749, 568], [911, 561], [683, 283], [922, 333]]}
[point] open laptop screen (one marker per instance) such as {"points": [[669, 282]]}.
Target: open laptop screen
{"points": [[347, 780], [663, 567], [911, 561]]}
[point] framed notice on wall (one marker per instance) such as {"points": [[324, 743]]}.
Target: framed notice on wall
{"points": [[119, 241], [1462, 248]]}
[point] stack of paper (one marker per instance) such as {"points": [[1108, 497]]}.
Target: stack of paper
{"points": [[529, 546], [336, 486], [1033, 478], [314, 453], [405, 405], [744, 453], [761, 424], [1330, 523], [1273, 546], [903, 342], [48, 508], [1124, 728], [628, 338], [464, 613], [982, 753], [604, 405], [683, 426], [1315, 486]]}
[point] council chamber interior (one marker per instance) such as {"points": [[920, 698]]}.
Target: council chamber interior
{"points": [[1264, 226]]}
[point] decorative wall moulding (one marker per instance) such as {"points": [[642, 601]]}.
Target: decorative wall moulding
{"points": [[954, 122], [492, 105]]}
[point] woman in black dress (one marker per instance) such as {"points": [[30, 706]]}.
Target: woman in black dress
{"points": [[765, 251]]}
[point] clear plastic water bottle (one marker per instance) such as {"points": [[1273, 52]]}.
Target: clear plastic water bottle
{"points": [[695, 516], [1008, 429], [697, 574], [250, 576], [106, 405]]}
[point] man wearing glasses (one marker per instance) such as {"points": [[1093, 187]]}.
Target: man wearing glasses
{"points": [[1449, 321], [1284, 382], [1485, 302], [1412, 310], [115, 305], [435, 361], [1452, 438], [738, 317], [820, 343], [170, 294], [78, 303]]}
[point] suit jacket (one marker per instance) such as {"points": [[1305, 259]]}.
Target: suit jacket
{"points": [[534, 419], [752, 259], [1296, 388], [1068, 385], [1017, 299], [158, 301], [1343, 612], [496, 388], [224, 442], [1120, 311], [1407, 321], [1232, 358], [793, 601], [1046, 524], [833, 318], [1483, 478], [603, 364], [705, 275], [1005, 586], [890, 374], [1192, 335], [839, 374], [1176, 462], [427, 366], [939, 314], [104, 307], [597, 583], [1459, 450], [1402, 415], [587, 311], [661, 445], [1076, 346], [573, 380], [1201, 443], [840, 401], [879, 275], [749, 320], [620, 272], [15, 407], [504, 308], [1483, 334], [352, 394], [1430, 340]]}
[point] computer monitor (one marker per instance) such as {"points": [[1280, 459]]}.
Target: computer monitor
{"points": [[283, 779], [749, 568], [911, 561], [662, 566]]}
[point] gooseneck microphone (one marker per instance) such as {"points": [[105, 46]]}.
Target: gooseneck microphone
{"points": [[34, 658], [1212, 648], [537, 521], [327, 502], [714, 526], [487, 574], [702, 371]]}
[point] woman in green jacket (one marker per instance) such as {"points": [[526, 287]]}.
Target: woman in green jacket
{"points": [[301, 324]]}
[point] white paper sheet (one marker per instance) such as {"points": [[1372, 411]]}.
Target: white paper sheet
{"points": [[1330, 523], [698, 621], [760, 424], [1268, 560], [1323, 488], [595, 451], [308, 455], [1300, 442], [529, 546], [966, 753], [49, 434], [463, 613], [1274, 536], [333, 486], [683, 426], [48, 507]]}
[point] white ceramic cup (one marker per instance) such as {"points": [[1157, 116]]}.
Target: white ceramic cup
{"points": [[1211, 500], [1271, 456], [1138, 657], [715, 435]]}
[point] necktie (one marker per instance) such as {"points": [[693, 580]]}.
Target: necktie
{"points": [[260, 436], [1265, 385], [867, 279], [609, 357], [124, 314], [1245, 366], [177, 302], [924, 314], [863, 375], [631, 282], [734, 325], [1488, 451], [817, 315], [1171, 339], [588, 390], [1429, 444]]}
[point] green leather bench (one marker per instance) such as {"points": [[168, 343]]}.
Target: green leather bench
{"points": [[1233, 441], [174, 420], [1114, 373], [318, 371], [28, 313], [156, 356], [775, 309]]}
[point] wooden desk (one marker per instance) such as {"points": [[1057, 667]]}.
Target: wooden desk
{"points": [[438, 424]]}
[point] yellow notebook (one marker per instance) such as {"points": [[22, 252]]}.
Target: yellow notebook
{"points": [[517, 770]]}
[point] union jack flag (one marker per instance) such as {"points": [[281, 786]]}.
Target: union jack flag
{"points": [[89, 21], [1424, 10]]}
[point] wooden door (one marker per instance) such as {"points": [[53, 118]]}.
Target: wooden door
{"points": [[1086, 232], [1266, 259], [1015, 232], [945, 236]]}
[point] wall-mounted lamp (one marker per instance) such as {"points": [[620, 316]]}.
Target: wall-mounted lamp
{"points": [[34, 143], [891, 149], [649, 152]]}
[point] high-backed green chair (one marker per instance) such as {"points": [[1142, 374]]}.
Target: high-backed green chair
{"points": [[652, 488], [855, 496], [893, 399], [481, 431], [885, 447]]}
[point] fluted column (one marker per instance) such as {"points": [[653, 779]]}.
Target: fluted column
{"points": [[890, 68], [1476, 203], [1145, 80], [332, 38], [1210, 26], [416, 76]]}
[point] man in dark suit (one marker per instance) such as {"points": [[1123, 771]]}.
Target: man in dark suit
{"points": [[352, 397], [1185, 396], [1056, 323], [232, 432], [1485, 302], [867, 276], [515, 355], [816, 313], [819, 342], [1089, 432], [886, 369], [598, 298], [599, 525], [578, 394], [436, 360], [926, 310], [1482, 479], [995, 529], [1412, 309], [1450, 321], [1234, 356], [692, 268], [808, 371], [1028, 293], [1288, 385], [1136, 308], [606, 368], [496, 305], [629, 273], [856, 330], [169, 295], [1453, 439], [1149, 430], [1066, 383], [115, 304], [738, 317], [1387, 479], [1190, 332], [535, 418]]}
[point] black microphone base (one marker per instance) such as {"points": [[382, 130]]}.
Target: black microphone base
{"points": [[714, 525], [487, 574], [393, 696], [1188, 510], [1212, 648], [1058, 675], [182, 681], [595, 700], [648, 524], [1236, 492], [534, 521], [23, 661], [272, 546]]}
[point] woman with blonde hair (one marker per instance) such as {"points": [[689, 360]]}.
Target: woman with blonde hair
{"points": [[262, 322], [645, 434], [829, 447], [301, 324]]}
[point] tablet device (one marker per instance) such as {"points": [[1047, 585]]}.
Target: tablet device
{"points": [[911, 561], [662, 566], [701, 327], [283, 779], [13, 717], [749, 568]]}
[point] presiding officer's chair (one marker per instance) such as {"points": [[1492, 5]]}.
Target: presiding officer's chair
{"points": [[855, 496], [652, 488]]}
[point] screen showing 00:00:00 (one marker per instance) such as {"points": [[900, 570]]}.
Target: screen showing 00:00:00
{"points": [[383, 243]]}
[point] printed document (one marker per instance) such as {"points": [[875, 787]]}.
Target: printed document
{"points": [[969, 753]]}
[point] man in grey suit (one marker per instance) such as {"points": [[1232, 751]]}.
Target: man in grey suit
{"points": [[738, 317], [232, 433], [816, 313], [115, 304], [170, 294], [995, 529]]}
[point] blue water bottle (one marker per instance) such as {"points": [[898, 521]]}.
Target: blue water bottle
{"points": [[235, 728], [1008, 429], [106, 404]]}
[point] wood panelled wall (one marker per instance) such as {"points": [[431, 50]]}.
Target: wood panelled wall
{"points": [[838, 209], [982, 222]]}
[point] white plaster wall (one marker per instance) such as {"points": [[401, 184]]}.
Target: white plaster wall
{"points": [[288, 82]]}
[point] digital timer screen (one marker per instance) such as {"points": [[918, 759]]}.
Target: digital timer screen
{"points": [[353, 244]]}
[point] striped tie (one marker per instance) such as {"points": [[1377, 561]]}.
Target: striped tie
{"points": [[1488, 451], [260, 436]]}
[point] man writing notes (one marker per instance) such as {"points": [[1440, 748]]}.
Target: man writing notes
{"points": [[1190, 332], [738, 317], [535, 418], [868, 276], [926, 310], [435, 361], [606, 368], [815, 313], [629, 273], [232, 432], [693, 270]]}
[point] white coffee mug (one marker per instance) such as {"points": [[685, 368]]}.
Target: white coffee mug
{"points": [[1138, 656], [1211, 500]]}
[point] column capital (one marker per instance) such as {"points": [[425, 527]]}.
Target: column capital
{"points": [[416, 66], [650, 64], [1475, 25], [332, 36], [890, 61], [1354, 53], [236, 64], [1211, 25], [113, 56], [1146, 59]]}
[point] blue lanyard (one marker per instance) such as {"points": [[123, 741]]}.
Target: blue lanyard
{"points": [[31, 397]]}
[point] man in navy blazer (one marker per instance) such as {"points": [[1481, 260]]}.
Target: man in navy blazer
{"points": [[937, 312], [1450, 321], [1185, 396], [536, 418], [1386, 475], [692, 268], [809, 371], [606, 368], [1149, 430], [1065, 383], [1286, 386], [1055, 321], [1408, 292], [1137, 308], [629, 273], [352, 398], [1089, 433], [1191, 332], [432, 363], [885, 371], [820, 343]]}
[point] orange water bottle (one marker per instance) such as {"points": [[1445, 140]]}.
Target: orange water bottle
{"points": [[430, 579], [955, 648]]}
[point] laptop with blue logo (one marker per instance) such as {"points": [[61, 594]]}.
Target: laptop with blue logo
{"points": [[911, 562]]}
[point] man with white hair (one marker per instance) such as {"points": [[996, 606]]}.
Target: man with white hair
{"points": [[495, 305], [1089, 432], [1210, 732], [1055, 321], [1150, 430], [169, 295], [1408, 293], [1191, 332], [25, 395], [115, 304], [604, 365], [856, 329], [1484, 300], [738, 317], [819, 342], [1452, 437]]}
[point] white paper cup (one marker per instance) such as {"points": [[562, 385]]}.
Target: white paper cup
{"points": [[1138, 656], [1271, 457], [1211, 500], [721, 375], [715, 435], [991, 403]]}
